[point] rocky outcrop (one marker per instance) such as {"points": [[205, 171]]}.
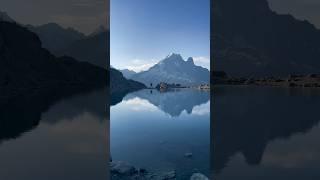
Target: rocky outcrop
{"points": [[119, 84], [199, 176], [124, 171]]}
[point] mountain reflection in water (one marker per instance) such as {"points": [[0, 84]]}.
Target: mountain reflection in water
{"points": [[265, 133], [173, 102], [54, 134], [154, 130]]}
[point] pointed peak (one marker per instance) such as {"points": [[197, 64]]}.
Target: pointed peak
{"points": [[190, 60]]}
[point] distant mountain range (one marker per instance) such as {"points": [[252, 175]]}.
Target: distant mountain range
{"points": [[127, 73], [249, 39], [54, 37], [60, 41], [26, 65], [35, 58], [93, 49], [172, 69]]}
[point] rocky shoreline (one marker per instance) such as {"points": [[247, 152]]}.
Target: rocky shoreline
{"points": [[311, 80], [124, 171]]}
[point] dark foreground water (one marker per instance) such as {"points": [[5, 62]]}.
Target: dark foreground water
{"points": [[265, 133], [51, 136], [154, 130]]}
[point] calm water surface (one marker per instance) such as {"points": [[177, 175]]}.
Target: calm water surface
{"points": [[256, 133], [265, 133], [154, 130], [49, 137]]}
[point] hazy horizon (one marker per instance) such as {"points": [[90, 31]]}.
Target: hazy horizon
{"points": [[82, 15]]}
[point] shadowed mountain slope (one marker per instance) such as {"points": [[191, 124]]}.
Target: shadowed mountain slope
{"points": [[249, 39]]}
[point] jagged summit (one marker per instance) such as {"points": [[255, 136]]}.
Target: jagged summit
{"points": [[174, 69], [172, 57], [190, 60]]}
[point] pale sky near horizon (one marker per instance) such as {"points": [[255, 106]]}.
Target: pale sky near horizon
{"points": [[143, 32]]}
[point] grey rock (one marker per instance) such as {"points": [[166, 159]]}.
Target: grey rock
{"points": [[169, 175], [122, 168], [188, 155], [198, 176]]}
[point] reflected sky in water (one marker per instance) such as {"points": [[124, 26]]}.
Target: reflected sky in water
{"points": [[265, 133], [153, 130], [66, 138]]}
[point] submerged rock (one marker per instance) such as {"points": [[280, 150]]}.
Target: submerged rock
{"points": [[169, 175], [122, 168], [198, 176], [124, 171], [188, 155]]}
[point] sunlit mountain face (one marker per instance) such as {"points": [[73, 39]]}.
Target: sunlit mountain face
{"points": [[174, 69]]}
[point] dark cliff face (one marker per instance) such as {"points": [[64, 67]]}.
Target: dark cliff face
{"points": [[25, 65], [250, 39], [119, 84]]}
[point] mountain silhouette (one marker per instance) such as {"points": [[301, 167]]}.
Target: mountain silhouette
{"points": [[54, 37], [26, 66], [173, 69], [93, 49], [127, 73], [249, 39]]}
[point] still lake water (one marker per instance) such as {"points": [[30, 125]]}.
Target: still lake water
{"points": [[265, 133], [154, 130], [256, 133], [48, 136]]}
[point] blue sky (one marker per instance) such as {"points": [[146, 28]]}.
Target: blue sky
{"points": [[144, 32]]}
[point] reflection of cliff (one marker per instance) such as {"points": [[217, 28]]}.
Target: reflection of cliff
{"points": [[246, 120], [24, 113], [173, 102], [117, 98]]}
